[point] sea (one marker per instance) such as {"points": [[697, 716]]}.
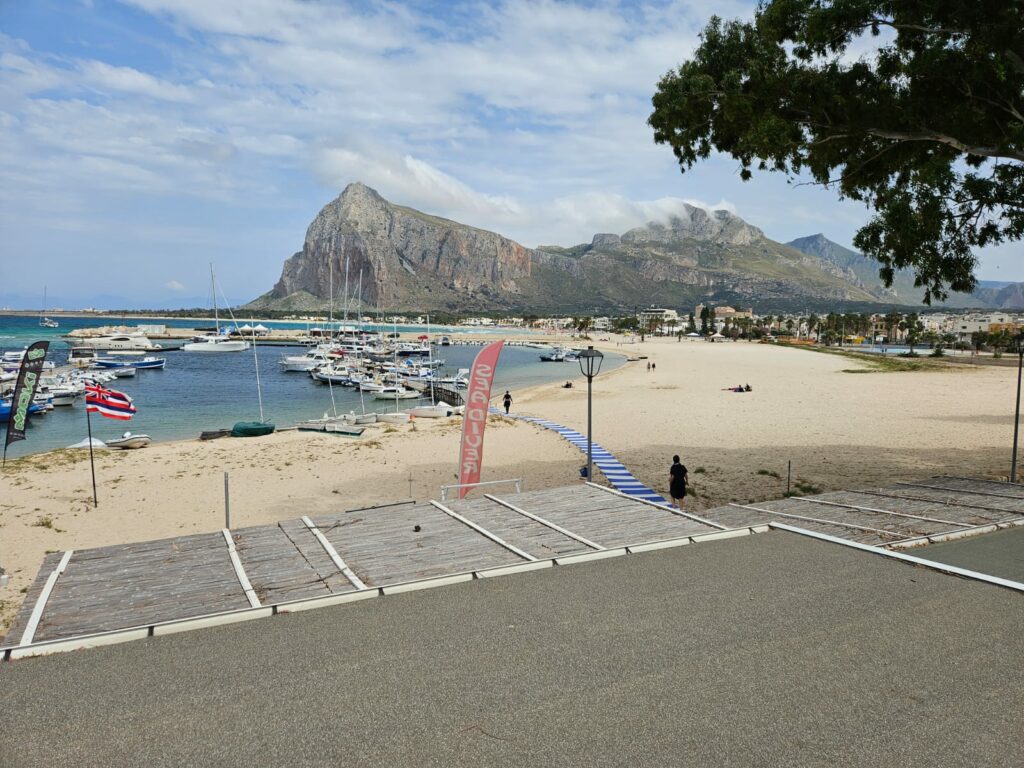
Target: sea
{"points": [[197, 391]]}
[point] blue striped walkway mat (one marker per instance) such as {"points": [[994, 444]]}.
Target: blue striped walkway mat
{"points": [[613, 469]]}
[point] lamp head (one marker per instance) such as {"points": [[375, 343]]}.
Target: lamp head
{"points": [[590, 362]]}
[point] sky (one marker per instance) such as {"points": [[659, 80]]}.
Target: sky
{"points": [[141, 140]]}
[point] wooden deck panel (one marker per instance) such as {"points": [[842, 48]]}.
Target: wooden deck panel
{"points": [[901, 527], [984, 505], [952, 513], [607, 519], [13, 636], [314, 554], [518, 530], [127, 585], [738, 517], [975, 487], [275, 567], [382, 547]]}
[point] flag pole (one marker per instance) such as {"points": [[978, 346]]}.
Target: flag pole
{"points": [[92, 462]]}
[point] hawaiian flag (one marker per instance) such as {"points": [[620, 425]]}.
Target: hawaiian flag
{"points": [[108, 402]]}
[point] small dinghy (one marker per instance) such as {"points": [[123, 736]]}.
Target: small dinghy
{"points": [[441, 410], [393, 418], [251, 429], [348, 430], [124, 373], [130, 441], [213, 434]]}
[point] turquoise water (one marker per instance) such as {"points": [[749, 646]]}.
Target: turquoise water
{"points": [[200, 391]]}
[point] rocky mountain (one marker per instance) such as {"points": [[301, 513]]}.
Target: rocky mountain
{"points": [[996, 295], [409, 260], [865, 272]]}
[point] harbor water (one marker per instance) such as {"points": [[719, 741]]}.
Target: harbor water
{"points": [[198, 391]]}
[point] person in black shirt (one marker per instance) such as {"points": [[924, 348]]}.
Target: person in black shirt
{"points": [[507, 401], [677, 482]]}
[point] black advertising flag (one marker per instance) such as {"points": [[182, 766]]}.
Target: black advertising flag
{"points": [[25, 391]]}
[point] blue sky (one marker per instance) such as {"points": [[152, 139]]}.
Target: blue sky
{"points": [[142, 139]]}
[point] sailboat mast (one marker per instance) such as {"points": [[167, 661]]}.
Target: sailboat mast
{"points": [[213, 290], [330, 305]]}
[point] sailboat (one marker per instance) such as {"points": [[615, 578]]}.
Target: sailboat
{"points": [[46, 322], [215, 342], [254, 428]]}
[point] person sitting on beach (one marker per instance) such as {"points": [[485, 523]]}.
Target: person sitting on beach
{"points": [[748, 388], [567, 385]]}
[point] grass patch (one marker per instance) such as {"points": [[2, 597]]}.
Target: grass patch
{"points": [[882, 363], [699, 471], [43, 522], [769, 473], [389, 430]]}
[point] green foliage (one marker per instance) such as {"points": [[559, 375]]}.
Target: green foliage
{"points": [[926, 125]]}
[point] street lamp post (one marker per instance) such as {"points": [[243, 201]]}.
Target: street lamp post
{"points": [[1018, 344], [590, 365]]}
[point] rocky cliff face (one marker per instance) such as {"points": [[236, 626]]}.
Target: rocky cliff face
{"points": [[400, 253], [413, 261]]}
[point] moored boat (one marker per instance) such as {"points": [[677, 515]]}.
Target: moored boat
{"points": [[213, 434], [130, 441], [251, 429], [441, 410]]}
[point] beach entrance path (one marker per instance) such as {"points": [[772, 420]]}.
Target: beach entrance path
{"points": [[614, 470]]}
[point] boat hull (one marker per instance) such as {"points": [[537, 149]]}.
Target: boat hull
{"points": [[130, 443], [251, 429]]}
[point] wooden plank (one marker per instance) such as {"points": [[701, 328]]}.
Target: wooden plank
{"points": [[333, 553], [483, 531], [243, 580], [542, 521], [387, 548], [44, 596]]}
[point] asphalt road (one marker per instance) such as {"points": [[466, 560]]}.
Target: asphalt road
{"points": [[997, 554], [771, 650]]}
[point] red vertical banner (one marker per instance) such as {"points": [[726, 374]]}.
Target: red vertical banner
{"points": [[478, 400]]}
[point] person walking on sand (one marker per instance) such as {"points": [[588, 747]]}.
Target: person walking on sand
{"points": [[677, 482], [507, 401]]}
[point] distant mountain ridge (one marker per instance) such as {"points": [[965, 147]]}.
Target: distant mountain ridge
{"points": [[990, 294], [410, 260]]}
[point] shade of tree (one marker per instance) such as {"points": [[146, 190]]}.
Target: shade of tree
{"points": [[915, 108]]}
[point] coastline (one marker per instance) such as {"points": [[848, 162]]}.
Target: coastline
{"points": [[839, 430]]}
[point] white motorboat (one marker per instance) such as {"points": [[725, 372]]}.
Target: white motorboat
{"points": [[130, 342], [439, 411], [130, 441], [214, 343], [304, 363], [554, 355], [124, 373], [398, 394], [81, 357]]}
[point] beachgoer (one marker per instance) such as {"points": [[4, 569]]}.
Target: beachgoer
{"points": [[648, 365], [507, 401], [654, 366], [677, 482], [748, 388]]}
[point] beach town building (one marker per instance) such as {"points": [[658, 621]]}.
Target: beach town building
{"points": [[656, 315]]}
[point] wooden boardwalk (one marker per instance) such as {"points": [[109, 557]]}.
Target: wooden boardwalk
{"points": [[898, 516], [146, 583], [356, 553]]}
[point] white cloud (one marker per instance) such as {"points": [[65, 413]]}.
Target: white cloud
{"points": [[174, 285], [97, 74]]}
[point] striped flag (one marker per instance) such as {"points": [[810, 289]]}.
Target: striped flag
{"points": [[108, 402]]}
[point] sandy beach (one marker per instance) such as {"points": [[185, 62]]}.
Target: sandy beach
{"points": [[840, 429]]}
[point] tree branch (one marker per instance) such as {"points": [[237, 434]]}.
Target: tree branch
{"points": [[947, 140]]}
